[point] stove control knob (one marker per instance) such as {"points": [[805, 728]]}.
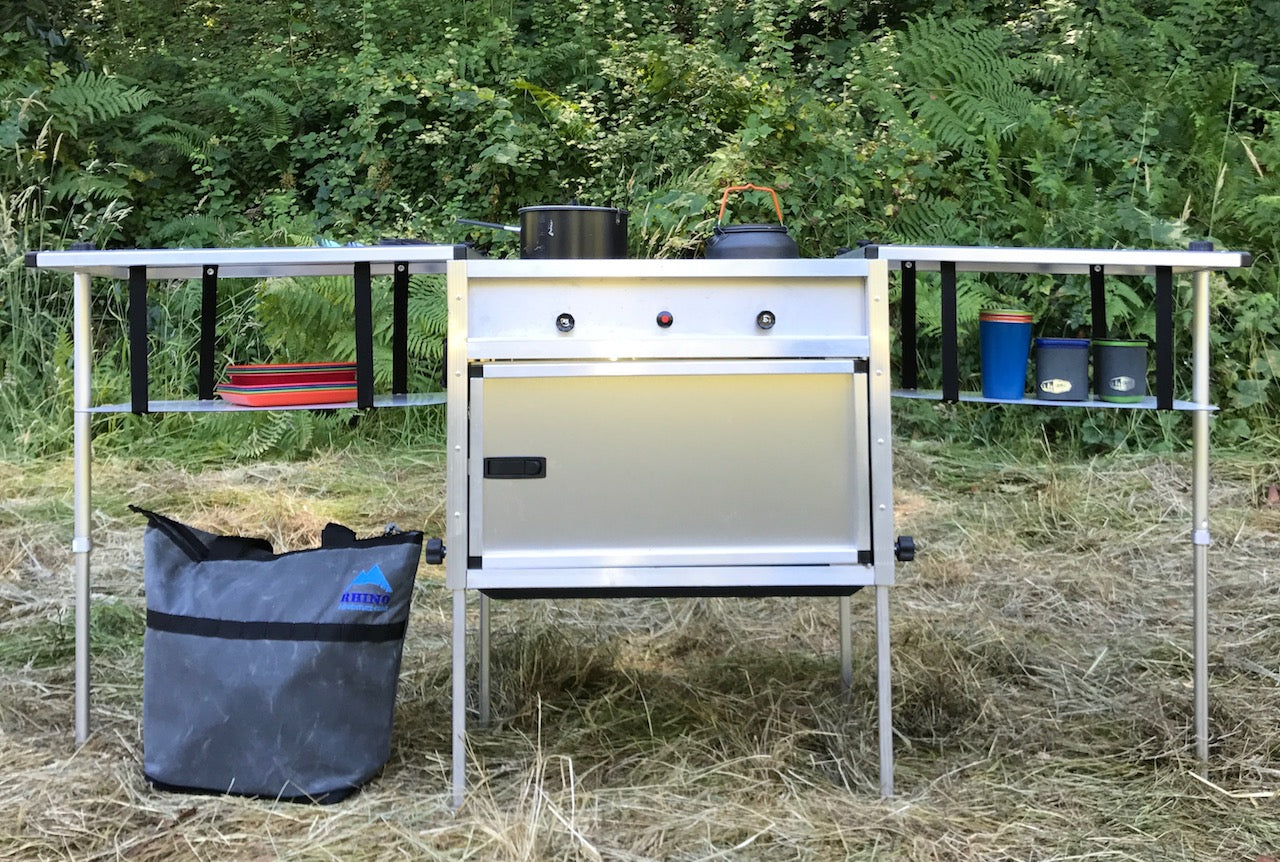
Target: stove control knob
{"points": [[766, 320], [564, 322], [665, 319]]}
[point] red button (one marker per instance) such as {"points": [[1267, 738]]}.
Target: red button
{"points": [[665, 319]]}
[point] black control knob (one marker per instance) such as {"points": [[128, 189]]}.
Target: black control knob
{"points": [[564, 322], [766, 320], [904, 550], [435, 552], [665, 319]]}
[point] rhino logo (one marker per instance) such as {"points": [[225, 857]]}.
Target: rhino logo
{"points": [[368, 591]]}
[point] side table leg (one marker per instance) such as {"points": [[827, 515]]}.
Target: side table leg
{"points": [[82, 543], [884, 684], [1200, 509], [846, 645], [459, 696], [483, 670]]}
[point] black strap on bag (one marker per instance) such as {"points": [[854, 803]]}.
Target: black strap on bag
{"points": [[253, 630]]}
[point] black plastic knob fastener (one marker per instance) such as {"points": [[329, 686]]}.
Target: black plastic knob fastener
{"points": [[435, 552], [904, 550]]}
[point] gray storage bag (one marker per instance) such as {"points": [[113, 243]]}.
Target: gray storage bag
{"points": [[271, 675]]}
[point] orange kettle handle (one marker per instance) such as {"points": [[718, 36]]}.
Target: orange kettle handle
{"points": [[753, 188]]}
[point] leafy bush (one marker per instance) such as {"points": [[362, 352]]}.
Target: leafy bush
{"points": [[1124, 124]]}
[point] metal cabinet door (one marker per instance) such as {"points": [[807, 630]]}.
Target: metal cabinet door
{"points": [[668, 463]]}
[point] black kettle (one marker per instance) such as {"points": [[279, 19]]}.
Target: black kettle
{"points": [[750, 240]]}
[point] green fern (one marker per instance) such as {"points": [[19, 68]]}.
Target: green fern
{"points": [[92, 97], [962, 84], [185, 139], [931, 220], [265, 431], [267, 113], [971, 297]]}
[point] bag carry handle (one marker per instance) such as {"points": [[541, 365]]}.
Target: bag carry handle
{"points": [[749, 187], [180, 534], [200, 550]]}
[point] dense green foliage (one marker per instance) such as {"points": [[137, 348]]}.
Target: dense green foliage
{"points": [[1116, 123]]}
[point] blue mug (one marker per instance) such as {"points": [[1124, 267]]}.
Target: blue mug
{"points": [[1005, 338]]}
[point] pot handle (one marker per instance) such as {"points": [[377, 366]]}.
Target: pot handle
{"points": [[514, 228], [749, 187]]}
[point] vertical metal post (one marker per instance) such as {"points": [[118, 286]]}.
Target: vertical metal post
{"points": [[882, 531], [456, 510], [82, 542], [1200, 507], [846, 645], [884, 690], [484, 660]]}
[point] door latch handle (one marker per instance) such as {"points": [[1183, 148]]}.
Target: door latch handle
{"points": [[515, 467]]}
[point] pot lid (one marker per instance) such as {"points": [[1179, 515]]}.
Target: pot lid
{"points": [[1062, 342], [576, 208]]}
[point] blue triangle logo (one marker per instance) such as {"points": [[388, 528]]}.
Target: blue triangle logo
{"points": [[368, 591], [371, 578]]}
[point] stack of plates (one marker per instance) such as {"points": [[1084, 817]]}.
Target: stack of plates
{"points": [[289, 384]]}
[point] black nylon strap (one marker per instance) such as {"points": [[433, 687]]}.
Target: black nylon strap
{"points": [[1164, 338], [238, 630], [950, 343], [910, 360], [1098, 300], [400, 329], [208, 329], [138, 338], [364, 335]]}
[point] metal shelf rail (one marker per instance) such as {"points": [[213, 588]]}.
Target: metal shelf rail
{"points": [[142, 266], [1198, 262]]}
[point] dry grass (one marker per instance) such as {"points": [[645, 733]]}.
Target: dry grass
{"points": [[1042, 686]]}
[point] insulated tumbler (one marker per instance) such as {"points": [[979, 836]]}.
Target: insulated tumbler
{"points": [[1120, 370], [1005, 337], [1062, 369]]}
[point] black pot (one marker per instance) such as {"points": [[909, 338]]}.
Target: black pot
{"points": [[572, 231]]}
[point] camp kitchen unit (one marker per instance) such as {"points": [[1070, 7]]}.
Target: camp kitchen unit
{"points": [[623, 428]]}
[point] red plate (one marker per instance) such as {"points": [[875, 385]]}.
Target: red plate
{"points": [[292, 374], [287, 396]]}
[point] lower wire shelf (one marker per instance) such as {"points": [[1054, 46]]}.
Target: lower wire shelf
{"points": [[218, 405], [1148, 403]]}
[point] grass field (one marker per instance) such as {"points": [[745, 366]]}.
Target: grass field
{"points": [[1042, 684]]}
